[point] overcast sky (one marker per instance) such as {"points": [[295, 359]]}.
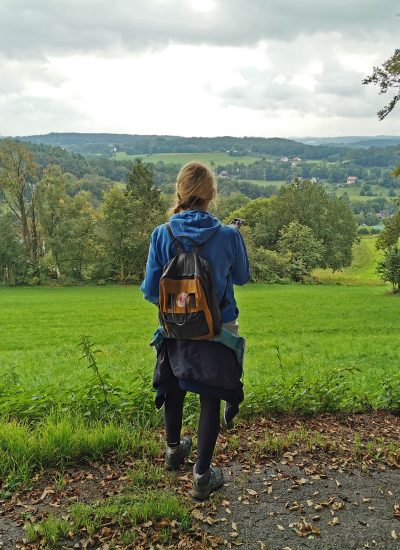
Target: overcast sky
{"points": [[195, 67]]}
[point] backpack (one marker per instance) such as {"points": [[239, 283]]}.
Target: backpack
{"points": [[188, 307]]}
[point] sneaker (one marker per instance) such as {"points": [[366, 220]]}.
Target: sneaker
{"points": [[205, 484], [230, 411], [175, 456]]}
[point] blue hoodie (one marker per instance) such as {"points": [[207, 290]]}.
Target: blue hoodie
{"points": [[224, 250]]}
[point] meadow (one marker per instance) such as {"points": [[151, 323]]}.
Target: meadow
{"points": [[379, 191], [362, 269], [296, 334], [213, 158], [310, 348]]}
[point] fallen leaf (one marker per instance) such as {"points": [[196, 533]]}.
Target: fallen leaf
{"points": [[197, 514], [106, 531], [145, 525], [303, 528]]}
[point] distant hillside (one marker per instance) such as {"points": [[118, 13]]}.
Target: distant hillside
{"points": [[106, 144], [352, 141]]}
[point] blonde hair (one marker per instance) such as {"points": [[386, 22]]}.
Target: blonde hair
{"points": [[195, 185]]}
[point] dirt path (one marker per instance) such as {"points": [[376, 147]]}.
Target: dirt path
{"points": [[327, 482], [284, 508]]}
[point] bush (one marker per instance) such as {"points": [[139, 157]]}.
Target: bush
{"points": [[267, 266], [389, 267]]}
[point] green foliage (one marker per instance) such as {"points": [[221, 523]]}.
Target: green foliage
{"points": [[126, 511], [304, 251], [51, 530], [389, 267], [330, 222], [18, 177], [60, 440], [89, 354], [13, 264], [224, 205], [363, 267], [67, 238], [128, 217], [390, 235], [45, 379], [387, 77], [267, 265]]}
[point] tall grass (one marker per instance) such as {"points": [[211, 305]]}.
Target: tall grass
{"points": [[310, 349], [58, 442]]}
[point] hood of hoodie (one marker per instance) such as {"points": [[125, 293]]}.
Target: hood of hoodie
{"points": [[196, 224]]}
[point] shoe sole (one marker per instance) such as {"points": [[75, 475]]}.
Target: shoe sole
{"points": [[203, 495]]}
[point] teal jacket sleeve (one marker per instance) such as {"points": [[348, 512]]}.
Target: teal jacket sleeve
{"points": [[154, 269], [241, 268]]}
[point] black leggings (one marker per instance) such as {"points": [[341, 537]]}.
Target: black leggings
{"points": [[208, 429]]}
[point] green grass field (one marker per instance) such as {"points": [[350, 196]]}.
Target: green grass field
{"points": [[310, 348], [362, 269], [277, 183], [354, 192], [183, 158], [317, 328]]}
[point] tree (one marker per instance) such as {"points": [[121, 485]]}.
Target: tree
{"points": [[226, 204], [330, 219], [118, 224], [51, 199], [389, 267], [387, 77], [304, 251], [13, 260], [129, 216], [79, 243], [390, 235], [18, 178], [140, 185]]}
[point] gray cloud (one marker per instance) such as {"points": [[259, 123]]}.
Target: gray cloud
{"points": [[295, 34], [32, 114], [43, 27], [17, 75], [308, 77]]}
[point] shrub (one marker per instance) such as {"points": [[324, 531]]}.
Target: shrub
{"points": [[267, 266], [389, 267]]}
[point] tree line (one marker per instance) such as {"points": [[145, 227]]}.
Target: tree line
{"points": [[51, 227]]}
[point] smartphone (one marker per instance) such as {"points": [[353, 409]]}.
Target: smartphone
{"points": [[237, 222]]}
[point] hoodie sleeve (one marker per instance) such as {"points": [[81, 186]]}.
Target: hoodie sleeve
{"points": [[241, 268], [154, 269]]}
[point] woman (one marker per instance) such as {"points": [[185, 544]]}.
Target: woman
{"points": [[210, 368]]}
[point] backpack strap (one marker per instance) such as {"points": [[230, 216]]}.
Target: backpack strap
{"points": [[178, 244]]}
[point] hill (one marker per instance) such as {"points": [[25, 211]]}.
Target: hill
{"points": [[107, 144], [352, 141]]}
